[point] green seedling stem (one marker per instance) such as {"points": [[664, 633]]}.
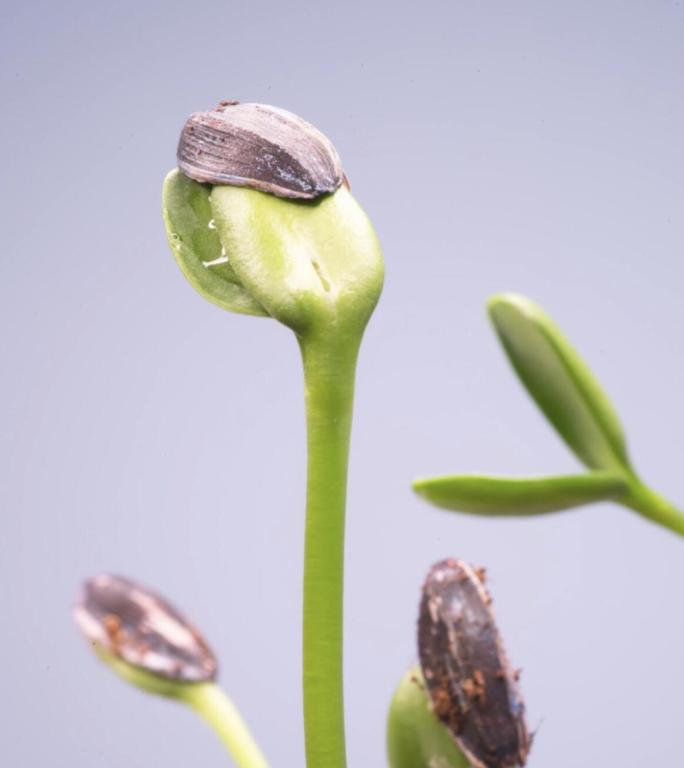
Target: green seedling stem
{"points": [[213, 705], [207, 699], [329, 382]]}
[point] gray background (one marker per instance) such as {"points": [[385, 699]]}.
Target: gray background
{"points": [[527, 146]]}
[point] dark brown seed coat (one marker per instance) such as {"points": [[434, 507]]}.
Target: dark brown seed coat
{"points": [[471, 685], [259, 146], [141, 628]]}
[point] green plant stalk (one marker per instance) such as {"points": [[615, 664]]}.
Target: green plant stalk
{"points": [[207, 699], [653, 506], [329, 369], [212, 704]]}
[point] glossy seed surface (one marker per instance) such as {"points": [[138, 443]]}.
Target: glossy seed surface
{"points": [[141, 628], [262, 147], [472, 688]]}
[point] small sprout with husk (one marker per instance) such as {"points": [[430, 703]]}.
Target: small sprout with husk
{"points": [[463, 706], [416, 738], [150, 644], [139, 628], [472, 686]]}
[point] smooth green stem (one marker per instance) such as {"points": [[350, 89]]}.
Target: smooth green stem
{"points": [[214, 706], [654, 507], [329, 366]]}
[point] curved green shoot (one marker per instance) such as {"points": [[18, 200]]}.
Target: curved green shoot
{"points": [[654, 507], [508, 496], [212, 704], [206, 698], [415, 737]]}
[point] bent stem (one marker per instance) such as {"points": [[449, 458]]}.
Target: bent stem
{"points": [[654, 507], [329, 367], [213, 705]]}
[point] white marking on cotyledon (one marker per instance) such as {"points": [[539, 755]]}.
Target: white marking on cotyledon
{"points": [[222, 259]]}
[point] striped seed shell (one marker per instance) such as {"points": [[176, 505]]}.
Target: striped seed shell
{"points": [[141, 628], [259, 146], [472, 688]]}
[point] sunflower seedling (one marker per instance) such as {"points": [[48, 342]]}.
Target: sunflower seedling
{"points": [[147, 642], [261, 221], [462, 707], [567, 393]]}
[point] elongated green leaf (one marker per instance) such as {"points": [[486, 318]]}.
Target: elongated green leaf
{"points": [[197, 248], [415, 737], [312, 264], [560, 382], [507, 496]]}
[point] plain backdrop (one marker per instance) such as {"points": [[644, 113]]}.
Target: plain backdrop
{"points": [[527, 146]]}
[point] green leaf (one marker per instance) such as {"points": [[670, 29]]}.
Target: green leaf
{"points": [[506, 496], [560, 382], [197, 248], [415, 737], [313, 265]]}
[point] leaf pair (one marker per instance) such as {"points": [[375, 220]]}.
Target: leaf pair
{"points": [[565, 390], [308, 264]]}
